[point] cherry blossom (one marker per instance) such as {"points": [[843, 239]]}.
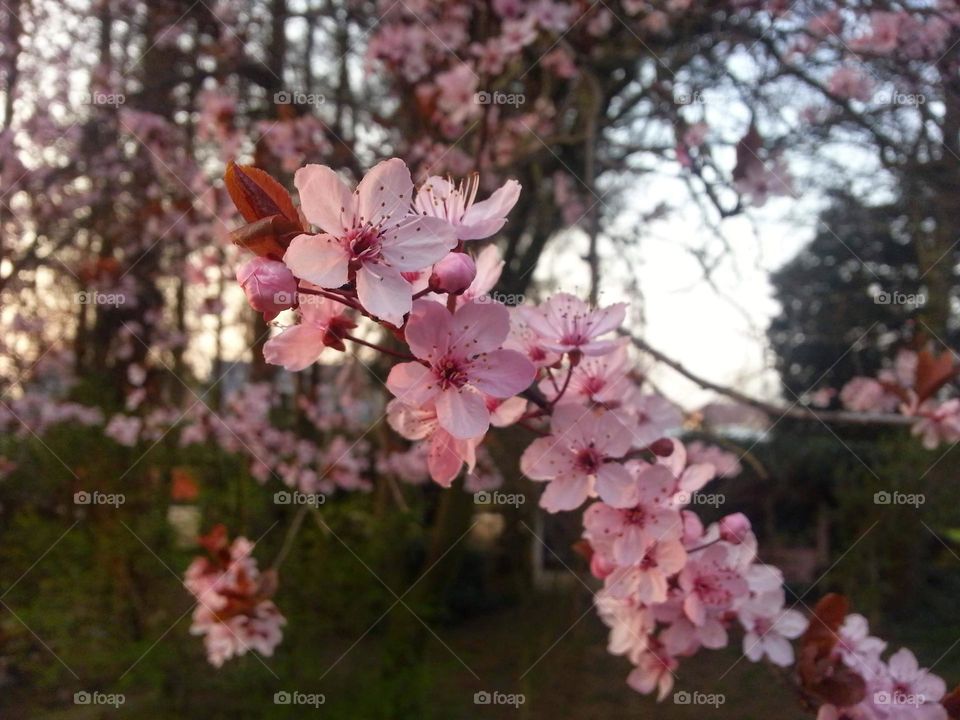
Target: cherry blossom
{"points": [[368, 237], [565, 323], [440, 198], [579, 458], [322, 324], [461, 360]]}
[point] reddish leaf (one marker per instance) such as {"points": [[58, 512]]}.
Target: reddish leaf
{"points": [[822, 672], [933, 372], [951, 701], [257, 195], [268, 237], [184, 486]]}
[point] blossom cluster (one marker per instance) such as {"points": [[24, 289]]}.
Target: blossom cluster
{"points": [[914, 387], [234, 612], [673, 586]]}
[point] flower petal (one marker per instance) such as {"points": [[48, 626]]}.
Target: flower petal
{"points": [[295, 348], [416, 242], [318, 258], [324, 199], [565, 493], [384, 293], [385, 195], [462, 413], [502, 373], [412, 383]]}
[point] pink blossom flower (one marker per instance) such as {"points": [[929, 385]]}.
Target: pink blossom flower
{"points": [[648, 580], [446, 454], [322, 325], [233, 613], [909, 691], [711, 583], [653, 671], [604, 379], [368, 237], [524, 340], [565, 323], [863, 394], [769, 628], [579, 457], [938, 423], [471, 220], [460, 358], [726, 463], [655, 417], [630, 531], [630, 624]]}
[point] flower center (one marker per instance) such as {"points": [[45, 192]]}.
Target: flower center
{"points": [[451, 373], [588, 460], [363, 244]]}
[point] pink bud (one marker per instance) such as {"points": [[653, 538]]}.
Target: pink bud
{"points": [[734, 528], [269, 285], [453, 274], [599, 567]]}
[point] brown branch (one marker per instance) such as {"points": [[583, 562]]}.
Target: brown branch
{"points": [[794, 412]]}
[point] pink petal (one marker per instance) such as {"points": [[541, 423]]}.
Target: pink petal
{"points": [[295, 348], [462, 413], [565, 493], [613, 437], [319, 259], [494, 207], [545, 459], [385, 195], [443, 460], [615, 485], [480, 230], [417, 242], [428, 329], [607, 319], [384, 293], [412, 383], [502, 373], [480, 327], [508, 412], [325, 200]]}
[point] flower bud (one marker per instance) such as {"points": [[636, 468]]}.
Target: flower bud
{"points": [[269, 285], [453, 274], [600, 568], [734, 528]]}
